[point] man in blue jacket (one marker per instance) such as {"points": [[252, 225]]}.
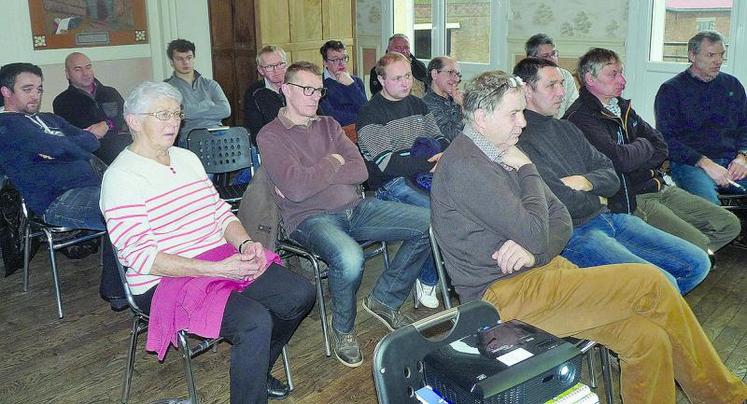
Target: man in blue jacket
{"points": [[49, 162], [345, 93]]}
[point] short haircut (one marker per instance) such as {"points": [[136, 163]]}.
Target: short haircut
{"points": [[331, 45], [594, 61], [301, 66], [180, 45], [693, 45], [487, 90], [437, 63], [72, 55], [386, 60], [271, 49], [528, 69], [395, 36], [535, 41], [10, 72], [141, 98]]}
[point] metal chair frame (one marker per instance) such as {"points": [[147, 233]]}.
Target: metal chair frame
{"points": [[36, 227], [140, 325]]}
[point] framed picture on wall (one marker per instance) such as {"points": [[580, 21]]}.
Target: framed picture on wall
{"points": [[59, 24]]}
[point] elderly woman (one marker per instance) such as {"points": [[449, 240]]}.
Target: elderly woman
{"points": [[186, 251]]}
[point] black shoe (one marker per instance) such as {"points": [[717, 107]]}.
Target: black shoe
{"points": [[347, 349], [276, 390], [118, 303]]}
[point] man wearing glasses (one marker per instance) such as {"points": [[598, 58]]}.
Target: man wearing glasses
{"points": [[262, 100], [444, 99], [542, 46], [316, 170], [400, 43], [205, 104], [345, 93]]}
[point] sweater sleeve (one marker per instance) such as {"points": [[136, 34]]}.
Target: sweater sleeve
{"points": [[673, 125], [296, 181], [600, 170], [218, 107], [343, 102], [353, 172]]}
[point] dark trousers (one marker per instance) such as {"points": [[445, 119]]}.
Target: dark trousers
{"points": [[258, 322]]}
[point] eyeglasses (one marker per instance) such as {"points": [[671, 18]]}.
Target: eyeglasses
{"points": [[274, 67], [554, 53], [165, 115], [452, 73], [511, 82], [337, 61], [309, 91]]}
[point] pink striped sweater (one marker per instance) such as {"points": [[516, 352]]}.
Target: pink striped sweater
{"points": [[151, 208]]}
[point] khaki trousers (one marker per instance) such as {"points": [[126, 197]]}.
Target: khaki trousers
{"points": [[633, 310]]}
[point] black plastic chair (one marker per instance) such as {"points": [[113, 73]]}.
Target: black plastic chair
{"points": [[140, 324], [224, 151]]}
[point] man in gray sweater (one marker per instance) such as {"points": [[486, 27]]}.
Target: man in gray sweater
{"points": [[583, 178], [315, 171], [501, 230], [205, 105]]}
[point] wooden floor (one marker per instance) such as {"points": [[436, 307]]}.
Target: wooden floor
{"points": [[80, 359]]}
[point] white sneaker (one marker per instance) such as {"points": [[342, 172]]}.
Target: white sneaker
{"points": [[426, 295]]}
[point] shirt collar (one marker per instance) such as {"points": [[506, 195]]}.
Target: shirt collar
{"points": [[288, 124], [269, 86], [327, 75]]}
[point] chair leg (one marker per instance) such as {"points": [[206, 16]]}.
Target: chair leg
{"points": [[606, 373], [592, 372], [286, 365], [26, 255], [130, 359], [385, 252], [322, 304], [440, 269], [187, 355], [55, 274]]}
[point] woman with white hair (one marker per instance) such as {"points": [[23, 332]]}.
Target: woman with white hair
{"points": [[185, 250]]}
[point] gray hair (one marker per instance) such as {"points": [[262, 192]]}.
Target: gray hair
{"points": [[594, 61], [535, 41], [272, 49], [395, 36], [693, 45], [487, 90], [141, 98]]}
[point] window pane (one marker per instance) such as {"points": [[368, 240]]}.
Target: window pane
{"points": [[422, 29], [468, 30], [676, 21]]}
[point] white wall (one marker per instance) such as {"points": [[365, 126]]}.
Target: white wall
{"points": [[122, 67]]}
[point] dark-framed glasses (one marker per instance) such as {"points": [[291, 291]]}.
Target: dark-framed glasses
{"points": [[511, 82], [337, 61], [453, 73], [309, 91], [274, 67], [165, 115]]}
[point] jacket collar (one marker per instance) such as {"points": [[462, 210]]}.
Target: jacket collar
{"points": [[591, 101]]}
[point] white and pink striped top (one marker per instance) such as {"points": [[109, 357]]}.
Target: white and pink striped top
{"points": [[151, 208]]}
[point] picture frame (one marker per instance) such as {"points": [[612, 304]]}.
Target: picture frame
{"points": [[58, 24]]}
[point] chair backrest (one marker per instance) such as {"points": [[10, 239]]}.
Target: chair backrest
{"points": [[258, 212], [126, 286], [398, 358], [351, 133], [221, 150]]}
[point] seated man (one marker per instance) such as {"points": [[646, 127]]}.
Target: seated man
{"points": [[316, 170], [583, 178], [400, 43], [205, 105], [637, 157], [49, 162], [542, 46], [87, 102], [389, 126], [262, 100], [444, 99], [501, 230], [345, 93], [702, 113]]}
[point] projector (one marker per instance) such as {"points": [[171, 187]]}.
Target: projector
{"points": [[509, 363]]}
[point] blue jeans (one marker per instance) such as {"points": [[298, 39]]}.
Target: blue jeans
{"points": [[78, 208], [697, 182], [618, 238], [402, 190], [335, 237]]}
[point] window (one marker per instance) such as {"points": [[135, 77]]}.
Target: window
{"points": [[676, 21]]}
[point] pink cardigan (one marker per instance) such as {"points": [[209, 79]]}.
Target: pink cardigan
{"points": [[195, 304]]}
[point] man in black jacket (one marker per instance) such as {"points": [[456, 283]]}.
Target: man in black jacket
{"points": [[583, 178], [399, 43], [637, 151], [262, 100], [87, 102]]}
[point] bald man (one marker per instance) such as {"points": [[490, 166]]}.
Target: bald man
{"points": [[87, 102]]}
